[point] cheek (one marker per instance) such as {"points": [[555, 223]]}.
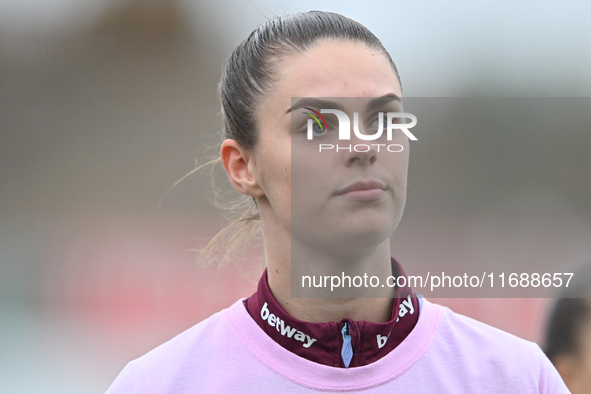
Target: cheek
{"points": [[397, 162], [313, 174], [275, 173]]}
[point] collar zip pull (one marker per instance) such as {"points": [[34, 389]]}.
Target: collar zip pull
{"points": [[347, 350]]}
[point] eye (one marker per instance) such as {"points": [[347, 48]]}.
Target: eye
{"points": [[375, 124], [316, 126], [318, 129]]}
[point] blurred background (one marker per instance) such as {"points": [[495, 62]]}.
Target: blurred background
{"points": [[105, 104]]}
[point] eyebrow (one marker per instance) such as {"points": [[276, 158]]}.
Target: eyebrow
{"points": [[317, 103], [381, 101]]}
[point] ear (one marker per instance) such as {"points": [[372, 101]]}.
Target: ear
{"points": [[236, 162]]}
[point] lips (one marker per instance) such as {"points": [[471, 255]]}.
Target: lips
{"points": [[363, 190]]}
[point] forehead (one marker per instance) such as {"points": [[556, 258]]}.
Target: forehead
{"points": [[336, 68]]}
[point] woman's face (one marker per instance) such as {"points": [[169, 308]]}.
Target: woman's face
{"points": [[305, 191]]}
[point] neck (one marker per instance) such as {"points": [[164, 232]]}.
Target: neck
{"points": [[322, 310], [366, 304]]}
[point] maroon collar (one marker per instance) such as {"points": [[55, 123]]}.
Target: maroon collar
{"points": [[323, 342]]}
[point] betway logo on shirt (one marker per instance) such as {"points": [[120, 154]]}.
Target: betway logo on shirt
{"points": [[285, 330], [405, 307]]}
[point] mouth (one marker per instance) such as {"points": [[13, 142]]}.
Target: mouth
{"points": [[363, 190]]}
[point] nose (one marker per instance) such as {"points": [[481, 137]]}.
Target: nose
{"points": [[359, 152]]}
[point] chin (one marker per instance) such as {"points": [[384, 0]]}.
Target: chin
{"points": [[362, 239]]}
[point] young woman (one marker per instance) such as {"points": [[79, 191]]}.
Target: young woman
{"points": [[335, 211]]}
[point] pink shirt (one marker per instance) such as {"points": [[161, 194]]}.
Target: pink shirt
{"points": [[444, 353]]}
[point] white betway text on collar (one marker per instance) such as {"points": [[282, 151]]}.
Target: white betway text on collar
{"points": [[284, 330]]}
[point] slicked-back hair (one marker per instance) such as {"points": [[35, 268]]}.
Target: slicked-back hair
{"points": [[248, 72]]}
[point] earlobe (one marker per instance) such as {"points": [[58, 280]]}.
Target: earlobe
{"points": [[235, 160]]}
